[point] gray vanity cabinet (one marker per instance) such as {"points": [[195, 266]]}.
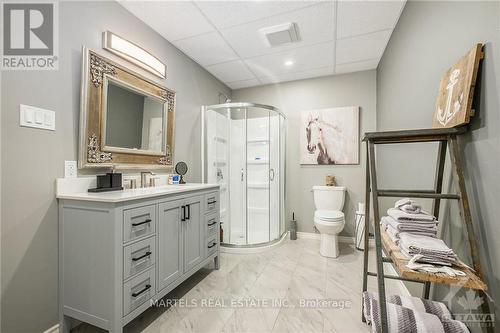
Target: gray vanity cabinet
{"points": [[194, 231], [170, 243], [117, 257]]}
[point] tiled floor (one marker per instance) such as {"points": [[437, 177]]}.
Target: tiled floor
{"points": [[288, 275]]}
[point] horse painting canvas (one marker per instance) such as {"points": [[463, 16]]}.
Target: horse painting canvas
{"points": [[330, 136]]}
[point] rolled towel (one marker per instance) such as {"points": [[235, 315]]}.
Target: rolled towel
{"points": [[401, 216], [403, 319], [407, 205], [438, 309]]}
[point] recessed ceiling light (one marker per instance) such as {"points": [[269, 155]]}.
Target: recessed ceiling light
{"points": [[289, 63]]}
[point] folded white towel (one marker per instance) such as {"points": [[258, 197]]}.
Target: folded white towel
{"points": [[417, 243], [401, 216], [407, 205]]}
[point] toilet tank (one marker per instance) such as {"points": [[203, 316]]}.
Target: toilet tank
{"points": [[329, 197]]}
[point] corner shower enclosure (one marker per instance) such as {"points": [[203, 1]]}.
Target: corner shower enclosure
{"points": [[243, 150]]}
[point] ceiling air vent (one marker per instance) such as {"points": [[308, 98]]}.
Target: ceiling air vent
{"points": [[281, 34]]}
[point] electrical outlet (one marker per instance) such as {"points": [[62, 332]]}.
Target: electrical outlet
{"points": [[70, 169]]}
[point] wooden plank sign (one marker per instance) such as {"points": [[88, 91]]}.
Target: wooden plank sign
{"points": [[456, 90]]}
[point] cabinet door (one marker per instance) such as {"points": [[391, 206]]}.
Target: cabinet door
{"points": [[194, 233], [170, 243]]}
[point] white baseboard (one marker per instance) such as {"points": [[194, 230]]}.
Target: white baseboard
{"points": [[315, 235], [53, 329]]}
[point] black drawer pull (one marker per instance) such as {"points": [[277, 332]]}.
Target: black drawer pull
{"points": [[189, 212], [211, 224], [211, 246], [146, 288], [183, 215], [212, 202], [141, 223], [147, 254]]}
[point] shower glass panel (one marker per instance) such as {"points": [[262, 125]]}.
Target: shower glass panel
{"points": [[244, 152], [258, 176]]}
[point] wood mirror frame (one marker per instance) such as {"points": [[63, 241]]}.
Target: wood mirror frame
{"points": [[92, 154]]}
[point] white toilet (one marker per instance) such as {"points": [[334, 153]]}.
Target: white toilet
{"points": [[328, 217]]}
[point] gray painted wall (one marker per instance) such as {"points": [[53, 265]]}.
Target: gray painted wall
{"points": [[357, 89], [33, 159], [428, 39]]}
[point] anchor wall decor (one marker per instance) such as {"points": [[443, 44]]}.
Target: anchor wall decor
{"points": [[454, 101]]}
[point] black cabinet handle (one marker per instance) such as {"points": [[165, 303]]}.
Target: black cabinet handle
{"points": [[189, 212], [183, 215], [211, 224], [147, 254], [146, 288], [141, 223], [212, 202], [211, 246]]}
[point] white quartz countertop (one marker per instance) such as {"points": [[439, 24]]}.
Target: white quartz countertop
{"points": [[134, 194]]}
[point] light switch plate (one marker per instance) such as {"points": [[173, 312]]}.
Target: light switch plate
{"points": [[70, 169], [30, 116]]}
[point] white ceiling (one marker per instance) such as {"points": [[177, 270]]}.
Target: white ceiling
{"points": [[223, 36]]}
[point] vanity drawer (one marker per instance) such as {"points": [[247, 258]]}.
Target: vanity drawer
{"points": [[138, 257], [212, 224], [138, 222], [212, 245], [138, 290], [211, 202]]}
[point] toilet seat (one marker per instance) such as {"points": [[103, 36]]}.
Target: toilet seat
{"points": [[329, 215]]}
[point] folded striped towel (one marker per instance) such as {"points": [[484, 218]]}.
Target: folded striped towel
{"points": [[401, 319], [433, 250], [401, 216], [426, 229]]}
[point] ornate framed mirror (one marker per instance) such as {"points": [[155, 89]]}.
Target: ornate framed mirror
{"points": [[126, 120]]}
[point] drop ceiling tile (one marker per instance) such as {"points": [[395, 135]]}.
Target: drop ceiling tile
{"points": [[317, 72], [207, 49], [361, 17], [243, 84], [225, 14], [364, 47], [316, 25], [172, 19], [231, 71], [305, 58], [356, 66]]}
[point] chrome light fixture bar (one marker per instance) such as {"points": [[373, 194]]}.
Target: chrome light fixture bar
{"points": [[133, 53]]}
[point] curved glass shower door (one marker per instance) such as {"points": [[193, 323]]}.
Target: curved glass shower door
{"points": [[243, 151]]}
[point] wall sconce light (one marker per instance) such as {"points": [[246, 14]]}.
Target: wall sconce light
{"points": [[133, 53]]}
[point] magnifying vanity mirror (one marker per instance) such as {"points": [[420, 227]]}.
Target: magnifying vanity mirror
{"points": [[126, 120]]}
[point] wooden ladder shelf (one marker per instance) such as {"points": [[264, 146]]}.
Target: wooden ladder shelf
{"points": [[447, 138]]}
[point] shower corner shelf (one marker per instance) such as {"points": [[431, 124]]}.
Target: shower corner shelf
{"points": [[257, 141], [258, 162]]}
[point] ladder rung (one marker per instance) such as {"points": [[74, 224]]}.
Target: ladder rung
{"points": [[394, 277], [417, 194]]}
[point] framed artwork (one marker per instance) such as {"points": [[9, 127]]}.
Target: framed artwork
{"points": [[456, 90], [329, 136]]}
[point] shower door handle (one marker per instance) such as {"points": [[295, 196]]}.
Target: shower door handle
{"points": [[242, 174], [271, 174]]}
